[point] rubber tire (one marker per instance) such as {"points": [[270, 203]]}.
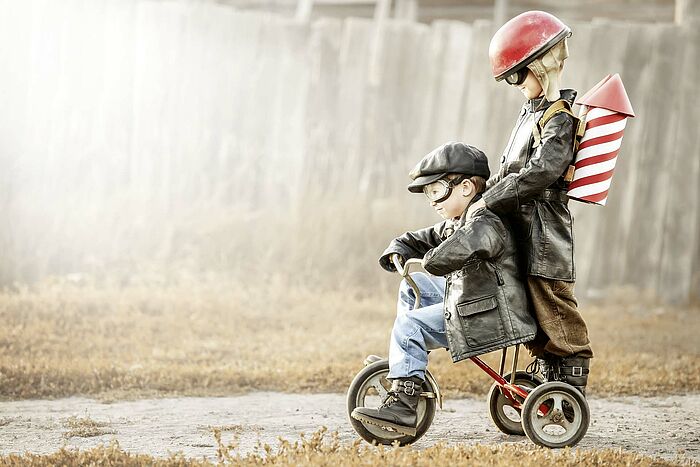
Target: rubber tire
{"points": [[368, 372], [503, 423], [529, 409]]}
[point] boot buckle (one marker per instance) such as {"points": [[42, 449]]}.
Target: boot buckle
{"points": [[576, 371], [409, 388]]}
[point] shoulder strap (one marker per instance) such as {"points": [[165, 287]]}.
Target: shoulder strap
{"points": [[560, 106], [557, 107]]}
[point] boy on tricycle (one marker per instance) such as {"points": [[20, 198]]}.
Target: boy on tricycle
{"points": [[478, 305]]}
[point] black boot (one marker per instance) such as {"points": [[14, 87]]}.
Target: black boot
{"points": [[574, 371], [398, 411]]}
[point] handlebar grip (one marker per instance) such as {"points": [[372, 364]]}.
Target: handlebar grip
{"points": [[396, 260]]}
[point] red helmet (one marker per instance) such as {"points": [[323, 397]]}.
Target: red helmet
{"points": [[522, 39]]}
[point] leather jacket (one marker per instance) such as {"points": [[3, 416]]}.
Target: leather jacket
{"points": [[529, 190], [486, 306]]}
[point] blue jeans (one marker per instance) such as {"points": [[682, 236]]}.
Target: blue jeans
{"points": [[417, 331]]}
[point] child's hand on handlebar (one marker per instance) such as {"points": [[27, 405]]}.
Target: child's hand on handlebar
{"points": [[402, 266], [398, 262]]}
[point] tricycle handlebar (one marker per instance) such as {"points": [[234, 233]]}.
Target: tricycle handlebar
{"points": [[404, 271]]}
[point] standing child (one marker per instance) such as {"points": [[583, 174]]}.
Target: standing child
{"points": [[528, 52]]}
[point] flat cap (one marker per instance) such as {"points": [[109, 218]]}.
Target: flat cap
{"points": [[450, 158]]}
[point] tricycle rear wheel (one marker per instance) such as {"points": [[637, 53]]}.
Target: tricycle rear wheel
{"points": [[506, 417], [566, 419]]}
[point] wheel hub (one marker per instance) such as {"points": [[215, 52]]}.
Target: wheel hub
{"points": [[557, 416]]}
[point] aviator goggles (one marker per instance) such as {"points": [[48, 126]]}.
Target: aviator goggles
{"points": [[517, 78], [440, 190]]}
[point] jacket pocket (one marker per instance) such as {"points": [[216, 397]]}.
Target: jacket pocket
{"points": [[481, 321]]}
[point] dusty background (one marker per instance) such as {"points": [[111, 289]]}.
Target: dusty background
{"points": [[186, 136]]}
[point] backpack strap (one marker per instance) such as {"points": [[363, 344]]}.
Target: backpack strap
{"points": [[560, 106]]}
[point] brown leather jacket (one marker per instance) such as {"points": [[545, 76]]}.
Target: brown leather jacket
{"points": [[529, 190], [486, 305]]}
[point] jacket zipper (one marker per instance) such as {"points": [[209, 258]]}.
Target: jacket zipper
{"points": [[522, 119]]}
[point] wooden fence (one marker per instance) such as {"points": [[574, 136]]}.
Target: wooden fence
{"points": [[174, 112]]}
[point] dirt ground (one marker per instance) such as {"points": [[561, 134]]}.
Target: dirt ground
{"points": [[667, 427]]}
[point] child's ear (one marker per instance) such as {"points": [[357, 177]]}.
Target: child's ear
{"points": [[467, 188]]}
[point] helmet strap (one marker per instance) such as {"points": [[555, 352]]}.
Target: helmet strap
{"points": [[548, 67]]}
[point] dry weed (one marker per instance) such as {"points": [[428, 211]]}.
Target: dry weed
{"points": [[85, 427], [232, 428], [235, 428], [318, 449], [206, 335]]}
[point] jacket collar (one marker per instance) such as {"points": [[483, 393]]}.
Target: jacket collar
{"points": [[463, 218], [541, 103]]}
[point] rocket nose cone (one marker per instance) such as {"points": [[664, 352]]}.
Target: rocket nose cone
{"points": [[609, 94]]}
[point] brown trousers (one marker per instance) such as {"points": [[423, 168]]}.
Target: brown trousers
{"points": [[561, 331]]}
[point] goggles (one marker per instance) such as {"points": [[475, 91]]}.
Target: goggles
{"points": [[517, 78], [439, 191]]}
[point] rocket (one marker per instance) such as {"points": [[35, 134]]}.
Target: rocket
{"points": [[604, 111]]}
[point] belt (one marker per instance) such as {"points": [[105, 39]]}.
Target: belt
{"points": [[554, 195]]}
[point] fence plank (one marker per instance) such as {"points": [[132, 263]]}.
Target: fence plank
{"points": [[597, 227], [644, 247], [680, 219], [451, 45]]}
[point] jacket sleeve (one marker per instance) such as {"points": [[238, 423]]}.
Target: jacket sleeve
{"points": [[479, 239], [412, 245], [549, 161], [491, 182]]}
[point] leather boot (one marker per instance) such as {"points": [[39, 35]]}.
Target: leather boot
{"points": [[398, 411], [574, 371]]}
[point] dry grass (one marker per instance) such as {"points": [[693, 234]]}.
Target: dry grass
{"points": [[85, 427], [207, 336], [322, 450], [235, 428]]}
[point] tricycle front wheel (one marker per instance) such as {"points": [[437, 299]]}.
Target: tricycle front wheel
{"points": [[368, 389]]}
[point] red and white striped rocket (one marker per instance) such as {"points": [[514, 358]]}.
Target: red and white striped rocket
{"points": [[605, 109]]}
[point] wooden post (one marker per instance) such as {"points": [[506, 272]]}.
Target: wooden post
{"points": [[381, 13], [381, 10], [500, 11], [687, 11], [304, 8], [406, 10]]}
